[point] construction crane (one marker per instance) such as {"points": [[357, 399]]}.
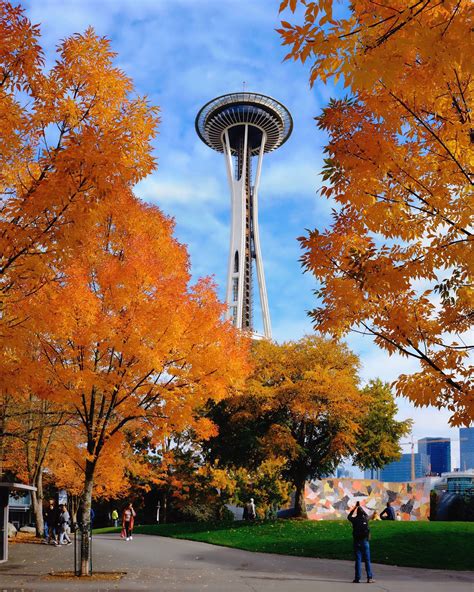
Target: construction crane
{"points": [[412, 444]]}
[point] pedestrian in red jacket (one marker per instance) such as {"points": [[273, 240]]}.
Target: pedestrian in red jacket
{"points": [[128, 518]]}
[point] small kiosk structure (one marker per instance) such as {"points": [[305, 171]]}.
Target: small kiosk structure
{"points": [[5, 491]]}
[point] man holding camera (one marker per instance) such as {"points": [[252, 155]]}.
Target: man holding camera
{"points": [[361, 535]]}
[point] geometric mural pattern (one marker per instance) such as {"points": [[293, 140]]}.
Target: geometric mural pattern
{"points": [[331, 499]]}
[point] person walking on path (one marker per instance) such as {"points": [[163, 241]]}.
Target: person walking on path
{"points": [[388, 513], [45, 524], [115, 516], [52, 520], [64, 520], [128, 519], [361, 535]]}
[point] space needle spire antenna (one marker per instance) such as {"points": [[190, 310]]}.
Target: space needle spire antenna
{"points": [[243, 126]]}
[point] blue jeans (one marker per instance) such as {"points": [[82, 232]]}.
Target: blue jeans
{"points": [[362, 549], [52, 533]]}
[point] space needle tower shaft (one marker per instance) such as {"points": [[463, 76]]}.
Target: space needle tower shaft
{"points": [[244, 126]]}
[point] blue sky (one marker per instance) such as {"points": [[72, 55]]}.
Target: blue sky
{"points": [[181, 54]]}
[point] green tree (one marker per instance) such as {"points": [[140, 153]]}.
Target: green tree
{"points": [[265, 484], [377, 442]]}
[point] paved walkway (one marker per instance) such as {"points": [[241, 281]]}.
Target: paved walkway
{"points": [[164, 564]]}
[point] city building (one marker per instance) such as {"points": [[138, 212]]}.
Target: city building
{"points": [[372, 474], [439, 452], [243, 126], [400, 470], [343, 473], [458, 482], [466, 442]]}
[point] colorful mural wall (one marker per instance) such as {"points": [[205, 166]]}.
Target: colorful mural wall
{"points": [[331, 499]]}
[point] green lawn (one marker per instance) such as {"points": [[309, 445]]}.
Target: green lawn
{"points": [[438, 545]]}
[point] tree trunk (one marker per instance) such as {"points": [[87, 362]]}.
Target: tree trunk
{"points": [[3, 439], [86, 520], [37, 500], [300, 504], [74, 501]]}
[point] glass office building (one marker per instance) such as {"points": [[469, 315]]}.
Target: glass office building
{"points": [[400, 470], [372, 474], [439, 452], [466, 441]]}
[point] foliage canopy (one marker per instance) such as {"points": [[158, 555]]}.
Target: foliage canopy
{"points": [[302, 403], [396, 262]]}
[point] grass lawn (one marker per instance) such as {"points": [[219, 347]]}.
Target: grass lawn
{"points": [[437, 545]]}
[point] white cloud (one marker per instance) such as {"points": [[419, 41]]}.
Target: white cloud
{"points": [[164, 191]]}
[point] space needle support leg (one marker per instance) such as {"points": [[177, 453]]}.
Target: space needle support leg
{"points": [[230, 265], [235, 273], [267, 329]]}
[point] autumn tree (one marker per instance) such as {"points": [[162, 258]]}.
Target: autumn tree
{"points": [[301, 403], [29, 428], [71, 138], [119, 470], [40, 438], [396, 262], [190, 487], [126, 342], [92, 280], [177, 474]]}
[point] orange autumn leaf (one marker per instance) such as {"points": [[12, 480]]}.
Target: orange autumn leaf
{"points": [[397, 261]]}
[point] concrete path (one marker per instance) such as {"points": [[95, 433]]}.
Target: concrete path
{"points": [[164, 564]]}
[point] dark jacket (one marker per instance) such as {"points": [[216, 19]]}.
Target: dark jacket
{"points": [[360, 524], [388, 513], [51, 516]]}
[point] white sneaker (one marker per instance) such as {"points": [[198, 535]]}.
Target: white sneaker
{"points": [[131, 538], [127, 539]]}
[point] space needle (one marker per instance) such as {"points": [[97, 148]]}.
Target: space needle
{"points": [[244, 126]]}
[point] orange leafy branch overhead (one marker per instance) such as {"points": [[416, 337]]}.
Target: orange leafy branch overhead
{"points": [[396, 262], [67, 465], [74, 137]]}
